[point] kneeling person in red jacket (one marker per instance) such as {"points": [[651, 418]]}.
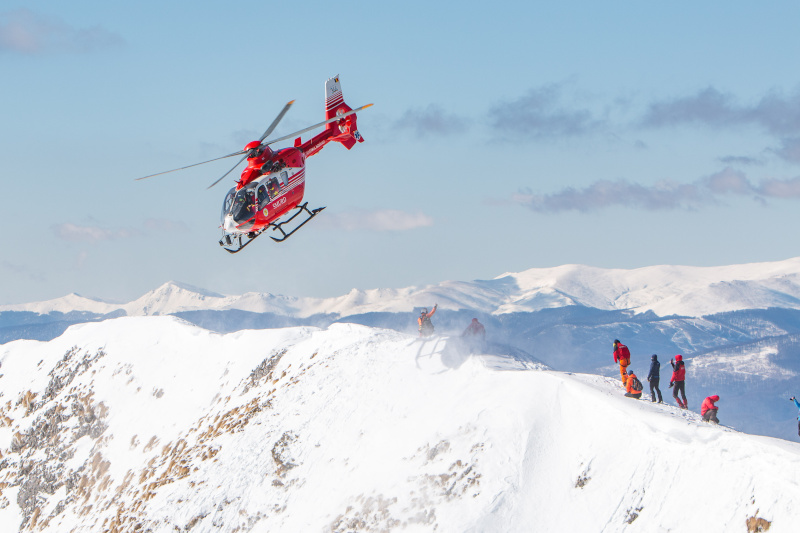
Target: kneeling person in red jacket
{"points": [[709, 410], [634, 386]]}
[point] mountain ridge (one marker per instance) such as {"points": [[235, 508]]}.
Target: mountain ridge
{"points": [[664, 289], [150, 423]]}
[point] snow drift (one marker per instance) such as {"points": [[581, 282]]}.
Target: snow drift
{"points": [[153, 424]]}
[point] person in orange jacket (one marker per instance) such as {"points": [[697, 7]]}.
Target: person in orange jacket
{"points": [[633, 386], [424, 321], [622, 356], [709, 410]]}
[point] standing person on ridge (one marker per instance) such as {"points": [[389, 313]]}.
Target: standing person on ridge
{"points": [[424, 321], [709, 410], [653, 377], [475, 329], [678, 377], [634, 386], [474, 336], [622, 356], [798, 415]]}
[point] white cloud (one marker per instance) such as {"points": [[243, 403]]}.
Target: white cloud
{"points": [[664, 195], [790, 149], [25, 271], [26, 32], [432, 120], [75, 233], [383, 220], [540, 114], [166, 225], [777, 113]]}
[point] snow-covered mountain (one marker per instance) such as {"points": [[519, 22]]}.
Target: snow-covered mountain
{"points": [[738, 326], [664, 290], [153, 424]]}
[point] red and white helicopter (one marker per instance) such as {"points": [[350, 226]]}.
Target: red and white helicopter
{"points": [[274, 181]]}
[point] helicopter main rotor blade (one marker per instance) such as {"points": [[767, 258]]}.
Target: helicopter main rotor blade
{"points": [[276, 121], [334, 119], [228, 172], [270, 129], [240, 152]]}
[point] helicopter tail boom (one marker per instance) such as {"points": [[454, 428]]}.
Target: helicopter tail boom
{"points": [[346, 131]]}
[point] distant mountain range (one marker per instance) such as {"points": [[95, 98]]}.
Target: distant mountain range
{"points": [[737, 326], [664, 290]]}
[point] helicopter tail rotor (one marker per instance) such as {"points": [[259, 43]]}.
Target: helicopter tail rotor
{"points": [[335, 106]]}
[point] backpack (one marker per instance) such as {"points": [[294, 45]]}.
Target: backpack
{"points": [[426, 323], [636, 385]]}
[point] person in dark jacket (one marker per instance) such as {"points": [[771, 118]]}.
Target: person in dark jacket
{"points": [[653, 377], [798, 415], [709, 410], [678, 381]]}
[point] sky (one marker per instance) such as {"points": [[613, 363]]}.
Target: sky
{"points": [[503, 137]]}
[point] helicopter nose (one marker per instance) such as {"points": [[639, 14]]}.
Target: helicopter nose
{"points": [[228, 224]]}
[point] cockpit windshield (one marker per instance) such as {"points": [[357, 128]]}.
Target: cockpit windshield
{"points": [[241, 205], [226, 205]]}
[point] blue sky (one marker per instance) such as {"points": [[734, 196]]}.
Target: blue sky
{"points": [[504, 136]]}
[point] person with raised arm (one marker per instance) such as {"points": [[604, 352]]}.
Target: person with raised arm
{"points": [[678, 381]]}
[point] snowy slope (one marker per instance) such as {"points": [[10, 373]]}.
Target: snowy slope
{"points": [[152, 423], [665, 290]]}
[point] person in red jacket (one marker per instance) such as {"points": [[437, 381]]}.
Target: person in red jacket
{"points": [[709, 410], [622, 356], [633, 386], [475, 330], [677, 381], [474, 337]]}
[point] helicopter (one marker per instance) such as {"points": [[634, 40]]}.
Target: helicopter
{"points": [[273, 182]]}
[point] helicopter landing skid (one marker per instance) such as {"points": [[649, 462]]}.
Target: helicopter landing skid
{"points": [[238, 242], [300, 209]]}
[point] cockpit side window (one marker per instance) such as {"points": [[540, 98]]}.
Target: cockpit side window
{"points": [[273, 187], [263, 196], [284, 178]]}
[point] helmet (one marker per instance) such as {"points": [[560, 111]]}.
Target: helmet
{"points": [[630, 372], [679, 358]]}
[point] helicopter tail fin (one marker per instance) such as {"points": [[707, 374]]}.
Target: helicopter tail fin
{"points": [[346, 129]]}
